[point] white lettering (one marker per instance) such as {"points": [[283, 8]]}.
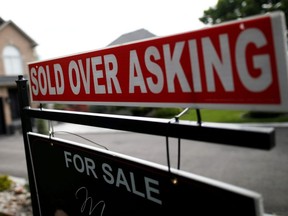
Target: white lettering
{"points": [[34, 84], [85, 76], [135, 76], [97, 74], [52, 90], [133, 185], [108, 177], [90, 166], [150, 189], [67, 160], [262, 62], [73, 69], [42, 77], [174, 68], [155, 87], [212, 61], [194, 61], [111, 68], [59, 79], [121, 180], [80, 164], [41, 80]]}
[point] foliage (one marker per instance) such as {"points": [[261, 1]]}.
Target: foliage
{"points": [[42, 126], [5, 182], [226, 10], [137, 111], [227, 116], [236, 116], [59, 106], [27, 187], [166, 112]]}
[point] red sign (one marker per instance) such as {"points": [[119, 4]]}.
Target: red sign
{"points": [[238, 65]]}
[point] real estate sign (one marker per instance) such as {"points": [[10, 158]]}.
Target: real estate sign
{"points": [[237, 65], [83, 180]]}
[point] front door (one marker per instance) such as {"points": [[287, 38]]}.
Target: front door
{"points": [[2, 120]]}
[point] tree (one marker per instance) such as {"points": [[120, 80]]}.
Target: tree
{"points": [[226, 10]]}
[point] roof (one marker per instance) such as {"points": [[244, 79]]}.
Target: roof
{"points": [[132, 36], [1, 21], [4, 24]]}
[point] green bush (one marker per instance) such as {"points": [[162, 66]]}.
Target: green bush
{"points": [[42, 126], [137, 111], [141, 111], [255, 114], [59, 106], [5, 182], [166, 112]]}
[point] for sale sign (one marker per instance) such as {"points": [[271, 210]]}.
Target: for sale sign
{"points": [[80, 180], [238, 65]]}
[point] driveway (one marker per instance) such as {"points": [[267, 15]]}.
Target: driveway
{"points": [[265, 172]]}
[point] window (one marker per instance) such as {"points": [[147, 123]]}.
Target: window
{"points": [[12, 61]]}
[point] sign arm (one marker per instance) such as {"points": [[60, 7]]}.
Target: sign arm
{"points": [[260, 138]]}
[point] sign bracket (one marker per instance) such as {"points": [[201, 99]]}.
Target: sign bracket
{"points": [[177, 117], [252, 137]]}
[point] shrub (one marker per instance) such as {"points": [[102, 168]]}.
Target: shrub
{"points": [[5, 182], [42, 126], [166, 112], [255, 114]]}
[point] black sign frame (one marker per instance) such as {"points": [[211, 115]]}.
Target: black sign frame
{"points": [[260, 138]]}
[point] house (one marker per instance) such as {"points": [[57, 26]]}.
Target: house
{"points": [[16, 50]]}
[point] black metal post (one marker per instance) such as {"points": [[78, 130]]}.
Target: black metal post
{"points": [[23, 100]]}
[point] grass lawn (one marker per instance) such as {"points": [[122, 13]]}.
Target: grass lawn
{"points": [[235, 116]]}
